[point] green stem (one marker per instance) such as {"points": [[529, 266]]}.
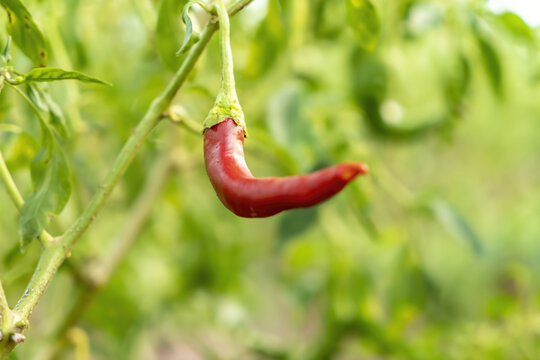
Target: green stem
{"points": [[54, 255], [202, 4], [140, 211], [100, 274], [9, 325], [51, 261], [30, 102], [227, 104], [227, 90], [11, 188], [178, 116]]}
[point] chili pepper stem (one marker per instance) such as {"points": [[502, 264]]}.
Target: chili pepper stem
{"points": [[227, 105]]}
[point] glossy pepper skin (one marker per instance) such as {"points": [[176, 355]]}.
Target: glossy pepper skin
{"points": [[251, 197]]}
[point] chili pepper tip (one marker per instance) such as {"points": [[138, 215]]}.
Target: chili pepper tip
{"points": [[352, 170]]}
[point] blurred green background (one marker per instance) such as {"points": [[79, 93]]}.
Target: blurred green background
{"points": [[433, 255]]}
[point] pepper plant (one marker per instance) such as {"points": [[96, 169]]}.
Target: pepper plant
{"points": [[114, 245]]}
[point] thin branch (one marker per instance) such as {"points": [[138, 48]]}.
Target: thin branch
{"points": [[101, 272], [11, 188], [137, 218], [10, 326], [33, 106], [178, 116], [52, 259], [54, 255]]}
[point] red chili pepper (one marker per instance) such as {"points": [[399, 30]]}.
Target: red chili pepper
{"points": [[252, 197], [226, 167]]}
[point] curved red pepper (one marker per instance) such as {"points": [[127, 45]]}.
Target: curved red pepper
{"points": [[252, 197]]}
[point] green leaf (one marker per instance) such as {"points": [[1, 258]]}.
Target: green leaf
{"points": [[47, 74], [369, 75], [25, 32], [43, 100], [50, 177], [516, 26], [457, 82], [7, 50], [492, 63], [191, 37], [168, 31], [369, 81], [456, 224], [363, 19]]}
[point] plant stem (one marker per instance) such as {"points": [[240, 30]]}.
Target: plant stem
{"points": [[51, 260], [178, 116], [33, 106], [227, 104], [11, 188], [100, 274], [228, 86], [53, 256], [6, 323], [136, 219]]}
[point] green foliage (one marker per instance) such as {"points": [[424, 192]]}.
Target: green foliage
{"points": [[363, 18], [47, 74], [517, 27], [169, 32], [25, 32], [191, 37], [492, 63], [433, 255], [52, 188]]}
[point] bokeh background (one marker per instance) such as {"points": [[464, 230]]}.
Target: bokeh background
{"points": [[434, 255]]}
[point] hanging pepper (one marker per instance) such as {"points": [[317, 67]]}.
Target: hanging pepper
{"points": [[241, 192]]}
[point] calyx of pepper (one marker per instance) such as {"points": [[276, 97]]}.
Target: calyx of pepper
{"points": [[227, 105], [223, 110]]}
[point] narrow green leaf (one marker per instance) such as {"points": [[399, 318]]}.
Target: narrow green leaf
{"points": [[43, 100], [35, 97], [191, 37], [25, 32], [7, 50], [516, 26], [168, 31], [363, 19], [47, 74], [50, 177], [456, 224], [457, 82], [492, 63]]}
